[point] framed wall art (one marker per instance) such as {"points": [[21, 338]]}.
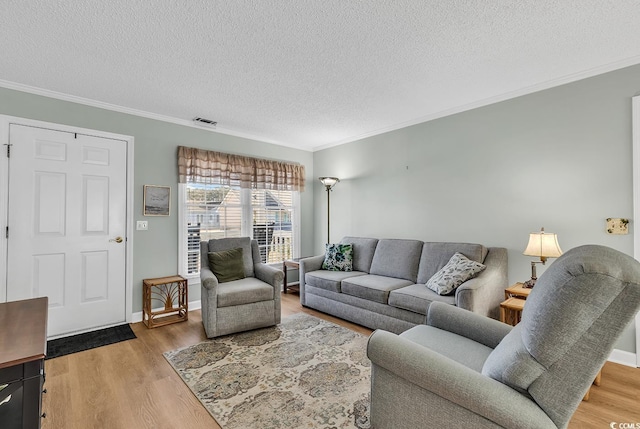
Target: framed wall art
{"points": [[157, 200]]}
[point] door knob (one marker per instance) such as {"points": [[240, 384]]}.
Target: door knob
{"points": [[117, 239]]}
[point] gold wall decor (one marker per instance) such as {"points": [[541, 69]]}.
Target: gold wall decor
{"points": [[617, 226]]}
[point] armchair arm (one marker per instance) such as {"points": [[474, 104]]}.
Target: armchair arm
{"points": [[462, 387], [462, 322], [484, 293], [208, 280], [208, 299], [270, 275], [312, 263]]}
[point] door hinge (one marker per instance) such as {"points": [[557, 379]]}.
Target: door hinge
{"points": [[7, 233], [8, 149]]}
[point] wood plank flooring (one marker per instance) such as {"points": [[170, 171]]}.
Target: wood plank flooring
{"points": [[131, 385]]}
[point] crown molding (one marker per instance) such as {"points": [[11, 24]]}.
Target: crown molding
{"points": [[221, 130], [491, 100], [135, 112]]}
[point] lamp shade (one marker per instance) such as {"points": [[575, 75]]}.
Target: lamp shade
{"points": [[329, 182], [543, 244]]}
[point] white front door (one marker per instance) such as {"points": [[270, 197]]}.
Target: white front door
{"points": [[67, 225]]}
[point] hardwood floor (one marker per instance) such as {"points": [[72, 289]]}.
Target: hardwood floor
{"points": [[131, 385]]}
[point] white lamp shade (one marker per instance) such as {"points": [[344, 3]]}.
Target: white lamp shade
{"points": [[329, 181], [543, 244]]}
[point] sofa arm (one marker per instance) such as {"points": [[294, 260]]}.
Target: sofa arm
{"points": [[270, 275], [313, 263], [462, 322], [463, 387], [484, 293]]}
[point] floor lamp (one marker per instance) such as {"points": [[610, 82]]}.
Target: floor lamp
{"points": [[329, 183]]}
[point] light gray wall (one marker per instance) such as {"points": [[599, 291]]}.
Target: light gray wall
{"points": [[559, 159], [155, 251]]}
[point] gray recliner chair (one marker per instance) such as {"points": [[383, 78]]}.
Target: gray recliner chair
{"points": [[466, 370], [239, 305]]}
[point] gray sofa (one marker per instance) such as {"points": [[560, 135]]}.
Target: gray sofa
{"points": [[386, 289]]}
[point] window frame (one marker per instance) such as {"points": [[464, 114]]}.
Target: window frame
{"points": [[247, 227]]}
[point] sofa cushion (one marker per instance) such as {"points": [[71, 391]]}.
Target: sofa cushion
{"points": [[363, 250], [397, 258], [372, 287], [245, 291], [437, 255], [458, 270], [338, 257], [456, 347], [417, 298], [329, 280]]}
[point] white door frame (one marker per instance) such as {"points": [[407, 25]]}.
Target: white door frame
{"points": [[5, 121], [635, 109]]}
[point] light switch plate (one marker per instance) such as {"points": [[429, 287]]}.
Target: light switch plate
{"points": [[617, 226], [142, 225]]}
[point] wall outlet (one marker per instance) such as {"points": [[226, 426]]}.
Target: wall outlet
{"points": [[142, 225]]}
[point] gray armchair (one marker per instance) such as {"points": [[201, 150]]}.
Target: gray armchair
{"points": [[465, 370], [240, 305]]}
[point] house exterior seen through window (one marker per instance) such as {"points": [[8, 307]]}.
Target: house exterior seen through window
{"points": [[219, 211]]}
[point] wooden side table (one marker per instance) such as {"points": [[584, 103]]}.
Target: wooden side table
{"points": [[293, 264], [171, 294], [511, 310], [517, 290]]}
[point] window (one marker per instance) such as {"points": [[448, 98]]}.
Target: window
{"points": [[219, 211], [272, 214], [225, 195]]}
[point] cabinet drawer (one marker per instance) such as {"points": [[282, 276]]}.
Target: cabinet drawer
{"points": [[33, 369], [21, 372], [10, 374]]}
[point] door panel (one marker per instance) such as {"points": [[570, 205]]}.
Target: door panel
{"points": [[50, 209], [67, 202], [48, 278], [95, 208], [95, 276]]}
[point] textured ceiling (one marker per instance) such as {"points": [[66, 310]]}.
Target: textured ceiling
{"points": [[309, 73]]}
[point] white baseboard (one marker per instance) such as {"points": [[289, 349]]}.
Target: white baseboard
{"points": [[623, 358], [137, 317]]}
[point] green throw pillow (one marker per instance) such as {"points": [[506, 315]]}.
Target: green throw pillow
{"points": [[338, 257], [227, 265]]}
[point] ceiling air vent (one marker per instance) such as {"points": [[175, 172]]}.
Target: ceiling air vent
{"points": [[203, 122]]}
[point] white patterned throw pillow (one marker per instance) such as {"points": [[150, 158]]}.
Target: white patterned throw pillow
{"points": [[458, 270], [338, 257]]}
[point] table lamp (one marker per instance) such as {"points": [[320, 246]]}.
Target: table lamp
{"points": [[544, 245]]}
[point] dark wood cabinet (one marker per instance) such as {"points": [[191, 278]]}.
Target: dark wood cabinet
{"points": [[23, 346]]}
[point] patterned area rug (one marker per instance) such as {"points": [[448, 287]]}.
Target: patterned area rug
{"points": [[303, 373]]}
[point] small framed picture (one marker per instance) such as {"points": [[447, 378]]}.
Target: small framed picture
{"points": [[157, 200]]}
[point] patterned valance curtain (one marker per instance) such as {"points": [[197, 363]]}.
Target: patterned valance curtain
{"points": [[205, 166]]}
